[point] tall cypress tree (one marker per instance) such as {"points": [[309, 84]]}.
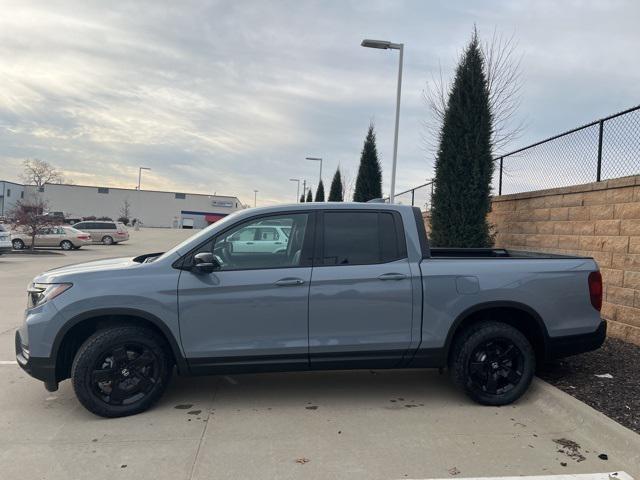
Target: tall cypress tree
{"points": [[464, 164], [369, 181], [320, 192], [309, 196], [302, 198], [335, 192]]}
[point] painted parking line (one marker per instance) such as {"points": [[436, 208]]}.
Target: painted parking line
{"points": [[8, 362], [582, 476]]}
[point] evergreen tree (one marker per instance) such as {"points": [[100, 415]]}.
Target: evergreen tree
{"points": [[309, 196], [302, 198], [335, 192], [369, 181], [320, 192], [464, 164]]}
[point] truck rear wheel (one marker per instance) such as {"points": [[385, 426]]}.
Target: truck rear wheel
{"points": [[493, 363], [121, 371]]}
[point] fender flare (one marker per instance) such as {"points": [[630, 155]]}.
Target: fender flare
{"points": [[181, 362], [496, 304]]}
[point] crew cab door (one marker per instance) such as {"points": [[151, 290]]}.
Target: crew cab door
{"points": [[361, 300], [252, 311]]}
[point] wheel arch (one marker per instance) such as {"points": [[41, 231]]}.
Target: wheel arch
{"points": [[79, 328], [516, 314]]}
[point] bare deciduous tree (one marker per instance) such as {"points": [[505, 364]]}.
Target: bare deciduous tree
{"points": [[504, 82], [125, 211], [38, 172], [27, 216]]}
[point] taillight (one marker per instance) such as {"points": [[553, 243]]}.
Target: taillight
{"points": [[595, 290]]}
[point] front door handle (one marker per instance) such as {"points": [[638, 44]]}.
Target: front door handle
{"points": [[289, 282], [392, 276]]}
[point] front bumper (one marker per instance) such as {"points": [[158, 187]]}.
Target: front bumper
{"points": [[42, 368], [560, 347]]}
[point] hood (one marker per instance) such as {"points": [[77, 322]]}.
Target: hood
{"points": [[88, 267]]}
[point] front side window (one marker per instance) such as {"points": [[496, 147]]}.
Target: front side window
{"points": [[252, 245], [360, 238]]}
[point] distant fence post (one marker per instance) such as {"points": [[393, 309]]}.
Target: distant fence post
{"points": [[500, 182], [599, 172]]}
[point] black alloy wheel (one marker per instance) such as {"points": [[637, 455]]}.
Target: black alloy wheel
{"points": [[121, 370], [496, 366], [493, 362], [125, 374]]}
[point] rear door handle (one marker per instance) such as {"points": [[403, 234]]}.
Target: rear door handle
{"points": [[289, 282], [392, 276]]}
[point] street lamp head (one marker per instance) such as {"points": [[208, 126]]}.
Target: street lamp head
{"points": [[381, 44], [318, 159]]}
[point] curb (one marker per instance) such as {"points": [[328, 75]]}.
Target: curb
{"points": [[594, 424]]}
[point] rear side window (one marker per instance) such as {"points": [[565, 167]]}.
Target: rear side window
{"points": [[108, 226], [360, 238]]}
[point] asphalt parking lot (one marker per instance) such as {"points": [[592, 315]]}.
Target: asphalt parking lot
{"points": [[351, 425]]}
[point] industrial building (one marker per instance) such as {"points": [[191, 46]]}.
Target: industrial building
{"points": [[154, 208]]}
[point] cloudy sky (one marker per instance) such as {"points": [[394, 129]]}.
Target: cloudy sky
{"points": [[230, 96]]}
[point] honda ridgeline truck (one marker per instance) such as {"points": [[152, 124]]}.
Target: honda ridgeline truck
{"points": [[354, 286]]}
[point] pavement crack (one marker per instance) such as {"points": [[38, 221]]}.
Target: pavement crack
{"points": [[204, 430]]}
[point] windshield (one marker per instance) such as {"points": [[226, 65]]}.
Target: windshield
{"points": [[201, 236]]}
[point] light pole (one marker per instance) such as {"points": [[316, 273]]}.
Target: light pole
{"points": [[255, 198], [317, 159], [385, 45], [137, 226], [298, 190]]}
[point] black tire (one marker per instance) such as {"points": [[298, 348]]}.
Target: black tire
{"points": [[133, 360], [107, 240], [17, 244], [66, 245], [493, 363]]}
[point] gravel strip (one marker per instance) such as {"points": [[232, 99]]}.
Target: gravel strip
{"points": [[617, 397]]}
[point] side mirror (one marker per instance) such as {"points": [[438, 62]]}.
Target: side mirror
{"points": [[205, 262]]}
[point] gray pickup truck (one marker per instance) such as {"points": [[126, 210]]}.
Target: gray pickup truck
{"points": [[354, 286]]}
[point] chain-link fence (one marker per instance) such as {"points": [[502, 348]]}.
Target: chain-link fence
{"points": [[419, 196], [604, 149]]}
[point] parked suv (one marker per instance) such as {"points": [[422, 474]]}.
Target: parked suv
{"points": [[108, 233], [5, 239], [354, 286], [261, 238]]}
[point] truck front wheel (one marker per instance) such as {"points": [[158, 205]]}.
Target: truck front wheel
{"points": [[493, 363], [121, 371]]}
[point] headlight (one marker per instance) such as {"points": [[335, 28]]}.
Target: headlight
{"points": [[39, 293]]}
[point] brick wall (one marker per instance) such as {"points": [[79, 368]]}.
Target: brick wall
{"points": [[601, 220]]}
